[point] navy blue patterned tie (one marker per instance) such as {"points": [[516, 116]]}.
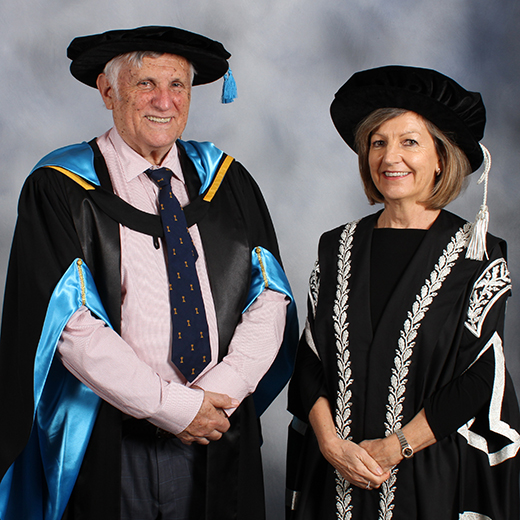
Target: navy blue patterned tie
{"points": [[190, 344]]}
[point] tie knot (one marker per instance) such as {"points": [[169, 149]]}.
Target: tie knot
{"points": [[161, 176]]}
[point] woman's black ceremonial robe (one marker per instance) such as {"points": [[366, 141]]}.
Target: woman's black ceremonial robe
{"points": [[445, 312], [62, 219]]}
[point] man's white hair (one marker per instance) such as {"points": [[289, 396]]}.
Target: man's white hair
{"points": [[135, 59]]}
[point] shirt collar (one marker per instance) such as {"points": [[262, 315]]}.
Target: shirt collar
{"points": [[133, 164]]}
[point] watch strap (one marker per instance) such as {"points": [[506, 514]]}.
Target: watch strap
{"points": [[406, 449]]}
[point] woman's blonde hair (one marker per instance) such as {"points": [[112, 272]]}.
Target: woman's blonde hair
{"points": [[455, 166]]}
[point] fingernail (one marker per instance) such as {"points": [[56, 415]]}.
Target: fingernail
{"points": [[235, 402]]}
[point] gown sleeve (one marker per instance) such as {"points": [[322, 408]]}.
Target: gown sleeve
{"points": [[44, 245], [308, 381], [456, 403], [465, 396]]}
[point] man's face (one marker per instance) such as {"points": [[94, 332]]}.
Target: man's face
{"points": [[151, 107]]}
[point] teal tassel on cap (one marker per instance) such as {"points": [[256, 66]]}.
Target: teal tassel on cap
{"points": [[229, 88]]}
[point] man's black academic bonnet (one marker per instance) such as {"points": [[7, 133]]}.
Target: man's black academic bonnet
{"points": [[455, 111], [90, 54]]}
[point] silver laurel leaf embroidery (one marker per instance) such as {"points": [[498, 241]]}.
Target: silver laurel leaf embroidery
{"points": [[404, 351], [490, 286], [344, 396], [314, 286]]}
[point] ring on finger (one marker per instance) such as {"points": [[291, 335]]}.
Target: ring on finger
{"points": [[369, 485]]}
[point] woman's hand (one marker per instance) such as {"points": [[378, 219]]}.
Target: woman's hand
{"points": [[386, 452], [353, 462]]}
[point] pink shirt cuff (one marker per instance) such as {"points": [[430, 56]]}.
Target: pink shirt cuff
{"points": [[252, 350], [103, 361], [179, 406]]}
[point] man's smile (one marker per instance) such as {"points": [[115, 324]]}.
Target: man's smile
{"points": [[156, 119]]}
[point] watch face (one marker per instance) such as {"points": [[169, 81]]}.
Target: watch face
{"points": [[407, 452]]}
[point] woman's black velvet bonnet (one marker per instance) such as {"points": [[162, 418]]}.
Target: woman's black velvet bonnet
{"points": [[455, 111]]}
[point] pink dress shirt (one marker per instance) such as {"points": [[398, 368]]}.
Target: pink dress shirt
{"points": [[133, 372]]}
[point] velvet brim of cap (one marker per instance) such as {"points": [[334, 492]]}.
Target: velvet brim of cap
{"points": [[348, 111], [88, 65]]}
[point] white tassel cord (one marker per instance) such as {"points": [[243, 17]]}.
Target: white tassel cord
{"points": [[477, 240]]}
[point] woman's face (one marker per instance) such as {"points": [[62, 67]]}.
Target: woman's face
{"points": [[403, 160]]}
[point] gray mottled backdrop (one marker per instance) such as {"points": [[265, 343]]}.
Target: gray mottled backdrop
{"points": [[289, 58]]}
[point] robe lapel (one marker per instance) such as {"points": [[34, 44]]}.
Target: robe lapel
{"points": [[402, 309], [407, 288], [359, 326]]}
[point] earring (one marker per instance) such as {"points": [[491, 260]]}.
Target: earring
{"points": [[438, 171]]}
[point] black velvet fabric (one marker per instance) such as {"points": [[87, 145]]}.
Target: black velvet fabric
{"points": [[461, 399], [454, 110], [90, 54]]}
